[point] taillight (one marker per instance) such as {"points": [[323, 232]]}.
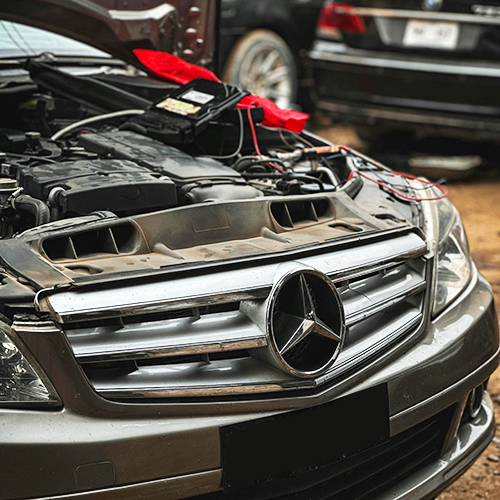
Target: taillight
{"points": [[336, 18]]}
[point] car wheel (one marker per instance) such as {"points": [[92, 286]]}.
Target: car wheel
{"points": [[262, 63]]}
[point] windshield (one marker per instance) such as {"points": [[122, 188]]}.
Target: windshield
{"points": [[18, 40]]}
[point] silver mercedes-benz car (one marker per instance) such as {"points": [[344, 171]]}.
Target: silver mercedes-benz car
{"points": [[195, 303]]}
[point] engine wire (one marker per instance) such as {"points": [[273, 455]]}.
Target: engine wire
{"points": [[283, 138], [399, 193], [299, 137], [256, 143], [381, 181], [401, 186], [240, 144], [392, 187], [338, 155], [93, 119]]}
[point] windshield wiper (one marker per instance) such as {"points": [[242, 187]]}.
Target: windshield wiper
{"points": [[83, 89]]}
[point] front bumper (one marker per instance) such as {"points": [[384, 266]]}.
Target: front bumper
{"points": [[97, 449], [471, 440], [374, 86]]}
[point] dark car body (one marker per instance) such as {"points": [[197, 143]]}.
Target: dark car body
{"points": [[293, 20], [394, 70]]}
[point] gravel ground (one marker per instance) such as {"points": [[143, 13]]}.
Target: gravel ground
{"points": [[478, 201]]}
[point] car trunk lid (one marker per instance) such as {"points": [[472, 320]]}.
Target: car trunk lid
{"points": [[455, 28]]}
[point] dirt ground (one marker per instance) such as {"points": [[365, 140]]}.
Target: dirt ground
{"points": [[479, 204], [478, 201]]}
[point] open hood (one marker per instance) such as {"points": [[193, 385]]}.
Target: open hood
{"points": [[186, 28]]}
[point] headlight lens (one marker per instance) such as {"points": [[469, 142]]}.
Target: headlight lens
{"points": [[19, 382], [453, 262]]}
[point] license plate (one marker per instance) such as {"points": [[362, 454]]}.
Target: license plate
{"points": [[433, 35], [268, 448]]}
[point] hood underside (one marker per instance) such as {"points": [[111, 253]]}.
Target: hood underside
{"points": [[184, 28]]}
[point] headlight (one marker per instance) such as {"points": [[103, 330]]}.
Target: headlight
{"points": [[453, 263], [20, 384]]}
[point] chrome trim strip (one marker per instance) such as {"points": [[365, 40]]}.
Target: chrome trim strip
{"points": [[375, 267], [411, 116], [320, 52], [182, 336], [377, 293], [155, 13], [220, 377], [40, 326], [223, 287], [426, 15], [186, 392], [159, 306]]}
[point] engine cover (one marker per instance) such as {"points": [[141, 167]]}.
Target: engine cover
{"points": [[86, 186], [153, 154]]}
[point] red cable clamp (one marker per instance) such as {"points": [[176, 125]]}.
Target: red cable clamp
{"points": [[174, 69]]}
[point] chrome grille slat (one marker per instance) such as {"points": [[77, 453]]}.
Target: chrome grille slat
{"points": [[380, 292], [221, 287], [362, 344], [381, 286], [245, 375], [193, 379], [175, 337], [361, 337]]}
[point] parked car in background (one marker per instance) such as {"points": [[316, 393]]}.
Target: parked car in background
{"points": [[263, 47], [414, 64], [194, 305]]}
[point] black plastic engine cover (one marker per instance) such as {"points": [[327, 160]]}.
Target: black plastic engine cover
{"points": [[156, 156], [209, 191], [120, 186]]}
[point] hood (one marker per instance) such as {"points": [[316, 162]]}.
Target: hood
{"points": [[185, 28]]}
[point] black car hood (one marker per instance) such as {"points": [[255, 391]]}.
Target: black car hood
{"points": [[186, 28]]}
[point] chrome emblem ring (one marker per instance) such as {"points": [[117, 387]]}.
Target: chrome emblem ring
{"points": [[432, 4], [306, 323]]}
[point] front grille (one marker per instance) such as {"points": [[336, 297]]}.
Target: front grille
{"points": [[187, 336], [361, 477]]}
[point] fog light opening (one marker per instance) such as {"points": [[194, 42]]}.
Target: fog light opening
{"points": [[474, 401]]}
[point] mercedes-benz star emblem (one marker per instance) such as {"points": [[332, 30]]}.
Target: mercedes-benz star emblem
{"points": [[306, 323], [432, 4]]}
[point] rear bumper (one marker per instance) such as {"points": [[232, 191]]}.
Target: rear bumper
{"points": [[83, 453], [377, 86]]}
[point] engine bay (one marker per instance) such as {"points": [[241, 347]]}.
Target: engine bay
{"points": [[118, 162], [67, 150]]}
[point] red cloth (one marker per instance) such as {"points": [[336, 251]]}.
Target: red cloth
{"points": [[174, 69], [274, 116]]}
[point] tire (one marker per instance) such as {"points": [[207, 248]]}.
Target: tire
{"points": [[262, 62]]}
